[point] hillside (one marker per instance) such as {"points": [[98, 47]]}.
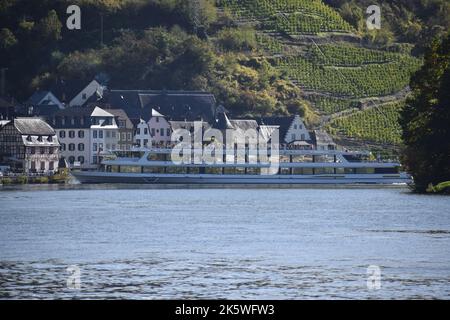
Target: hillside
{"points": [[355, 80], [258, 57]]}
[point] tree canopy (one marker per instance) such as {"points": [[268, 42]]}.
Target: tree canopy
{"points": [[426, 118]]}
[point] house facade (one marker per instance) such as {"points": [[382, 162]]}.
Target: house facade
{"points": [[160, 129], [29, 145], [126, 129], [73, 128], [104, 134], [143, 138]]}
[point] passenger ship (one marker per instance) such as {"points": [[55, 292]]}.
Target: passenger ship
{"points": [[288, 167]]}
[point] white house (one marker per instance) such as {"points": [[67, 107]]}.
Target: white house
{"points": [[93, 88], [143, 137], [72, 126], [104, 134], [160, 128], [297, 131]]}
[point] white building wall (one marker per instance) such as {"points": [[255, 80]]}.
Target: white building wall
{"points": [[65, 140], [297, 131]]}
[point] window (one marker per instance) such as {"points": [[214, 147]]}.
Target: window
{"points": [[138, 130], [153, 132], [81, 134], [100, 134], [94, 159], [123, 136], [168, 132], [100, 146], [145, 142], [108, 134], [51, 165], [62, 134], [138, 141], [50, 139], [71, 159], [295, 127], [113, 147], [81, 159], [71, 134], [108, 146], [81, 147], [39, 138], [113, 134], [63, 147], [33, 166], [122, 124], [72, 121], [302, 137], [72, 147], [129, 136], [162, 132], [94, 134], [42, 165], [293, 137], [33, 150], [42, 150], [94, 147], [84, 96], [157, 119], [146, 131]]}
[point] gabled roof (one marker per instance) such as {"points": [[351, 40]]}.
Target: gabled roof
{"points": [[156, 113], [37, 97], [321, 137], [73, 112], [98, 112], [174, 105], [222, 122], [283, 122], [121, 115], [33, 126]]}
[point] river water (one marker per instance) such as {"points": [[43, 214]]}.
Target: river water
{"points": [[167, 243]]}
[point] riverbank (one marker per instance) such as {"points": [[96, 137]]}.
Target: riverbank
{"points": [[62, 177]]}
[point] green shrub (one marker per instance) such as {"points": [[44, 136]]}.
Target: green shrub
{"points": [[6, 181], [22, 180]]}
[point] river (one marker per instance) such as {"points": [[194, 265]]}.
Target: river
{"points": [[188, 243]]}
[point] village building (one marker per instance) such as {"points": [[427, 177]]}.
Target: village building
{"points": [[91, 93], [29, 145], [160, 129], [323, 141], [43, 99], [104, 134], [173, 105], [126, 129], [292, 131], [143, 138], [72, 126]]}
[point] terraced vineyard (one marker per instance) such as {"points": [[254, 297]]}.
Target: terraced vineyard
{"points": [[335, 75], [376, 125], [289, 16], [364, 80], [346, 55], [329, 105]]}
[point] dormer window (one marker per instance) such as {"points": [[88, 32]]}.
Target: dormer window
{"points": [[83, 96], [39, 138], [29, 138], [50, 139]]}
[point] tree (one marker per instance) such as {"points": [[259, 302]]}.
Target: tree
{"points": [[425, 120]]}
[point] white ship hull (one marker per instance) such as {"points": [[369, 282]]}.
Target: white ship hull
{"points": [[141, 178]]}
